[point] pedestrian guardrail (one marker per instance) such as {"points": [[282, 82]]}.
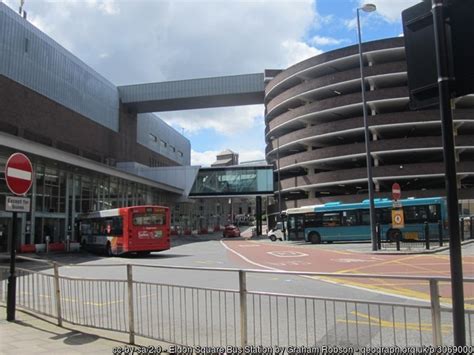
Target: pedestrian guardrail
{"points": [[237, 316], [428, 236]]}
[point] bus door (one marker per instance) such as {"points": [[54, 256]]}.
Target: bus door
{"points": [[295, 227]]}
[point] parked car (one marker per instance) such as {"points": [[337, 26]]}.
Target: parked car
{"points": [[231, 231], [276, 233]]}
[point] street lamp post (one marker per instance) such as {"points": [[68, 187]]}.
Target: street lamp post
{"points": [[367, 8], [278, 176]]}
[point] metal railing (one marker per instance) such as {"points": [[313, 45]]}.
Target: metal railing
{"points": [[190, 315]]}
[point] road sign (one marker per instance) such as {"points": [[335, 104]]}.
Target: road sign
{"points": [[17, 204], [397, 219], [19, 174], [396, 204], [396, 191]]}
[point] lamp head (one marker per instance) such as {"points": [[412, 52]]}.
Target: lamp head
{"points": [[368, 7]]}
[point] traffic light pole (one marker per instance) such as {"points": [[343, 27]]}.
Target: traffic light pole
{"points": [[442, 59]]}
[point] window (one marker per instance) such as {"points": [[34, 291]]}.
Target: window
{"points": [[153, 138], [312, 220], [331, 219], [163, 143], [180, 154], [150, 219], [415, 214], [433, 213], [349, 218], [365, 217], [384, 215]]}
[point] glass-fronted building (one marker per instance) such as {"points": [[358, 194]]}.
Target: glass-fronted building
{"points": [[233, 180]]}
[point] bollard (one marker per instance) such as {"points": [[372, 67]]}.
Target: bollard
{"points": [[243, 308], [427, 235], [472, 228], [435, 313], [379, 237], [461, 229], [47, 243], [440, 233], [57, 294], [398, 242], [68, 243], [131, 315]]}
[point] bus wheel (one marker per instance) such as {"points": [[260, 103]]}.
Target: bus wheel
{"points": [[394, 234], [108, 250], [314, 238]]}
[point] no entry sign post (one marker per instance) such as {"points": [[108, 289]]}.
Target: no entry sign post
{"points": [[19, 177]]}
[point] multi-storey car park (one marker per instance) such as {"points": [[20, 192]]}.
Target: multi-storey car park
{"points": [[315, 131]]}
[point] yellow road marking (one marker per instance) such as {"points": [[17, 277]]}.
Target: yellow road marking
{"points": [[395, 291], [423, 268], [427, 327], [382, 263]]}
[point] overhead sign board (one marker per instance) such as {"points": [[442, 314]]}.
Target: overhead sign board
{"points": [[17, 204], [397, 219], [19, 174]]}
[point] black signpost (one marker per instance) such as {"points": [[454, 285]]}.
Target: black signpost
{"points": [[19, 177]]}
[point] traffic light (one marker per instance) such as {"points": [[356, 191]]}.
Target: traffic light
{"points": [[421, 51]]}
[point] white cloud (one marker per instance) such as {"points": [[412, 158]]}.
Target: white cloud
{"points": [[226, 121], [351, 24], [203, 158], [324, 41], [391, 10], [249, 155], [297, 51]]}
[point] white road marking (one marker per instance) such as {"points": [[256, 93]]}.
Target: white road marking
{"points": [[349, 260], [287, 254]]}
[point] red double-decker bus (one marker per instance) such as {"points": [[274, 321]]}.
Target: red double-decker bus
{"points": [[137, 229]]}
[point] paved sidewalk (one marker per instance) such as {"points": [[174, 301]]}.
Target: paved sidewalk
{"points": [[31, 334]]}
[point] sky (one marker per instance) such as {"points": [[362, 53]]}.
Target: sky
{"points": [[142, 41]]}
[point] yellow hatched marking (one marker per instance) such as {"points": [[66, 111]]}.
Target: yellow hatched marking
{"points": [[383, 289], [383, 263], [426, 327]]}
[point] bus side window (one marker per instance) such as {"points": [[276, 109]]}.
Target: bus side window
{"points": [[312, 220], [364, 217], [433, 213], [117, 226], [331, 219], [349, 218]]}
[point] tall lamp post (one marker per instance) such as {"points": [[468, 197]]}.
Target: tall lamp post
{"points": [[278, 176], [367, 8]]}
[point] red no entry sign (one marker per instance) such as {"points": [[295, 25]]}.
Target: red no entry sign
{"points": [[19, 173], [396, 191]]}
